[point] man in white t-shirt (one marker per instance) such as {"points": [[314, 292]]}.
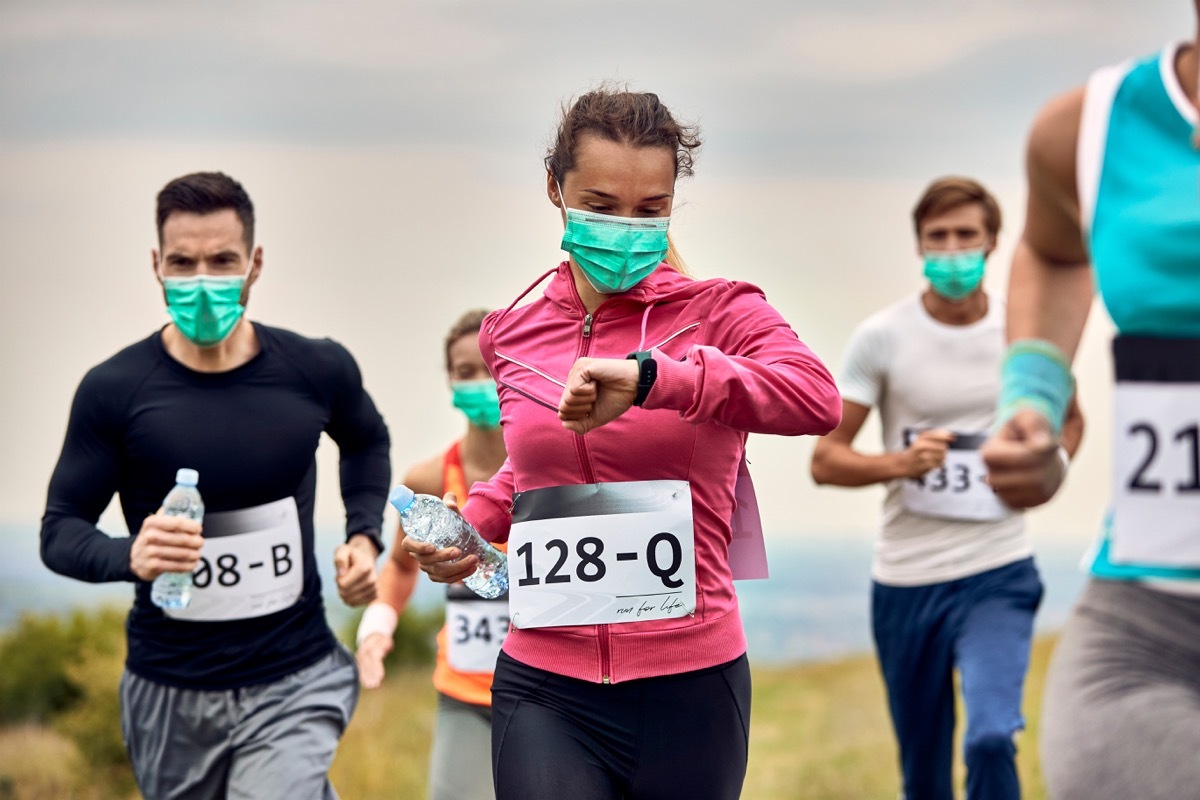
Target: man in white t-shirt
{"points": [[954, 583]]}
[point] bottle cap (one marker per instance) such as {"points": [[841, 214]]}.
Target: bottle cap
{"points": [[187, 477], [401, 497]]}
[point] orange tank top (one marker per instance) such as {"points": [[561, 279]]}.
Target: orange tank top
{"points": [[469, 687]]}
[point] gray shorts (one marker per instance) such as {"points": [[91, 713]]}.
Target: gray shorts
{"points": [[273, 740], [1121, 712], [460, 763]]}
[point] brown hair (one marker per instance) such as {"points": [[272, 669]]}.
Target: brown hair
{"points": [[951, 192], [468, 323], [638, 119], [206, 193]]}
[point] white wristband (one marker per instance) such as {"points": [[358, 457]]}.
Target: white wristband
{"points": [[1065, 457], [378, 618]]}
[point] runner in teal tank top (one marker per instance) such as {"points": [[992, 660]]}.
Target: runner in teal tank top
{"points": [[1114, 182]]}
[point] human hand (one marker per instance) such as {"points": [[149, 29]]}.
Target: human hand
{"points": [[165, 544], [598, 391], [927, 452], [445, 565], [355, 565], [370, 655], [1024, 467]]}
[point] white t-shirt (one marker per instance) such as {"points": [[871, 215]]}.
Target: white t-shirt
{"points": [[923, 374]]}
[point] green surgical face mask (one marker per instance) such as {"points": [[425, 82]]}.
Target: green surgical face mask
{"points": [[205, 308], [478, 400], [614, 253], [954, 275]]}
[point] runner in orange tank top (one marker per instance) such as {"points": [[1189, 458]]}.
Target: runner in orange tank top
{"points": [[460, 761]]}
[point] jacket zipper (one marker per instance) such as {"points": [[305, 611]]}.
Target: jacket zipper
{"points": [[585, 463]]}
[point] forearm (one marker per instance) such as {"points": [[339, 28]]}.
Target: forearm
{"points": [[397, 580], [1072, 429], [785, 391], [489, 509], [1048, 300], [77, 549], [838, 464], [365, 477]]}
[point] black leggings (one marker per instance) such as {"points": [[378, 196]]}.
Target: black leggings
{"points": [[674, 736]]}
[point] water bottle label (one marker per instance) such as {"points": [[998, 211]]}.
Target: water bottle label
{"points": [[251, 564], [958, 489], [475, 630], [605, 553]]}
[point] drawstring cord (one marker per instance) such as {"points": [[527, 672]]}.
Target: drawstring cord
{"points": [[645, 318], [521, 297]]}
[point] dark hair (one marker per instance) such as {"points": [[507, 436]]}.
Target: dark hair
{"points": [[468, 323], [951, 192], [206, 193], [635, 118]]}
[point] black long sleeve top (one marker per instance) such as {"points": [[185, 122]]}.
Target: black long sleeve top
{"points": [[252, 434]]}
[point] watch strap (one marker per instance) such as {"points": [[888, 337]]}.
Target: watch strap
{"points": [[647, 372]]}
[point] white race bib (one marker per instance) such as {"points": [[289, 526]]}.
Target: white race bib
{"points": [[475, 631], [1156, 473], [602, 553], [251, 564], [958, 488]]}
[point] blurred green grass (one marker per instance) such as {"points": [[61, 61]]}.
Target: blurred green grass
{"points": [[818, 731]]}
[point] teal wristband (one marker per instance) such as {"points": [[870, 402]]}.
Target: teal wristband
{"points": [[1035, 375]]}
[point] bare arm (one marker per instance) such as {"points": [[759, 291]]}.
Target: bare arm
{"points": [[1072, 429], [836, 462], [1049, 295], [397, 580], [1050, 288]]}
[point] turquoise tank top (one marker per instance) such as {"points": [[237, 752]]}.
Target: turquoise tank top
{"points": [[1139, 194]]}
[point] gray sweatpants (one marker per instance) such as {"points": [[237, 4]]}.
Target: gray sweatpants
{"points": [[460, 764], [273, 740], [1121, 714]]}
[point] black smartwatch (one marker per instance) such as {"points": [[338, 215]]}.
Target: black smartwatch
{"points": [[647, 372]]}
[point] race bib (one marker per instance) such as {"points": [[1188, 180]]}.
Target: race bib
{"points": [[475, 629], [958, 488], [251, 564], [602, 553], [1156, 473]]}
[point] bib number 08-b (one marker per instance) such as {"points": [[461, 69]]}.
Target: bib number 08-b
{"points": [[251, 564]]}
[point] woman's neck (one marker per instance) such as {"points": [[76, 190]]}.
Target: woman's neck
{"points": [[588, 295], [482, 452]]}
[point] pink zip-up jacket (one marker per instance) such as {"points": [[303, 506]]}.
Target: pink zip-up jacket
{"points": [[728, 365]]}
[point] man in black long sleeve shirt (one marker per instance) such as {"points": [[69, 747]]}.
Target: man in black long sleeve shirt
{"points": [[245, 692]]}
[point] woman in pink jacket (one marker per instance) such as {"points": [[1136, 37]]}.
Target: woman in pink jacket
{"points": [[627, 391]]}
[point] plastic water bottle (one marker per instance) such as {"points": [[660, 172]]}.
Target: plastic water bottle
{"points": [[174, 589], [426, 519]]}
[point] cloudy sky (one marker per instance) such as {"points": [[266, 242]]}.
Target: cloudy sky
{"points": [[393, 150]]}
